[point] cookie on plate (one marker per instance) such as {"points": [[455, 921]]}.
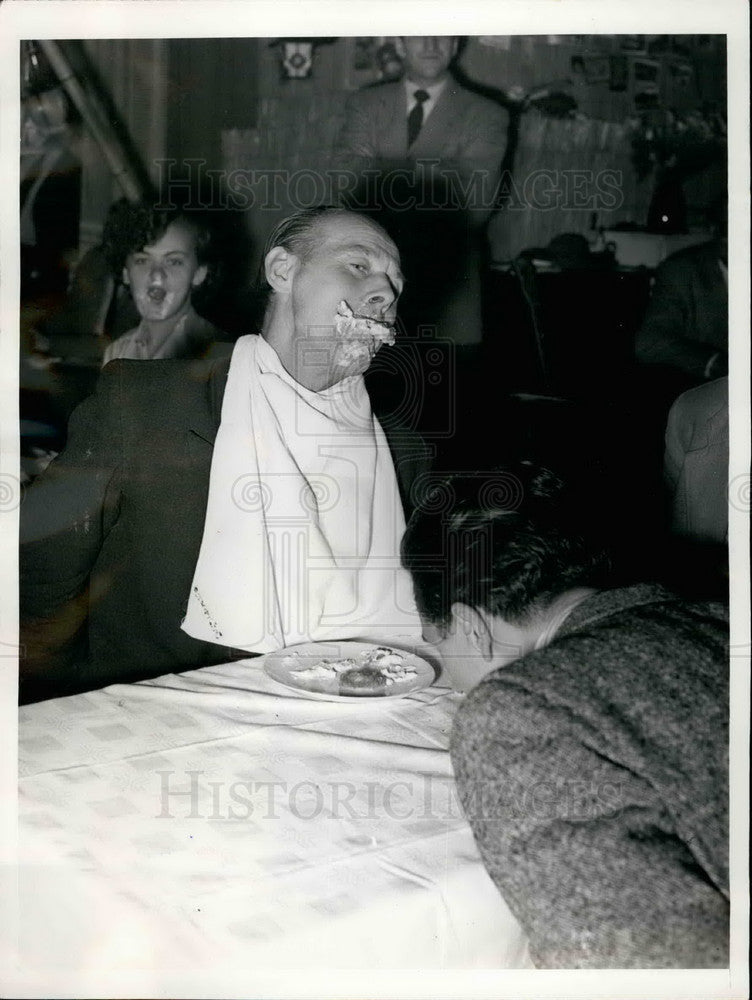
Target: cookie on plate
{"points": [[360, 679]]}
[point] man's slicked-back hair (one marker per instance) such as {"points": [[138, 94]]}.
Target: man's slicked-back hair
{"points": [[507, 542], [297, 233]]}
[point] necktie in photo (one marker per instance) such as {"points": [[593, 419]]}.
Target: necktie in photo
{"points": [[415, 118]]}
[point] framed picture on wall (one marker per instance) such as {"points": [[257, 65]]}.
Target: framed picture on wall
{"points": [[646, 72]]}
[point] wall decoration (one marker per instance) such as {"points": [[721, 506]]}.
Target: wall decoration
{"points": [[688, 142], [297, 59], [296, 56]]}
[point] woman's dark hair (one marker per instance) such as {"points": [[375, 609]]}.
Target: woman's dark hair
{"points": [[132, 226], [507, 542]]}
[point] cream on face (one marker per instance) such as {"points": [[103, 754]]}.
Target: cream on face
{"points": [[362, 336]]}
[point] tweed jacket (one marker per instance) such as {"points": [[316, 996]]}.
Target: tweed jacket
{"points": [[594, 774], [110, 534]]}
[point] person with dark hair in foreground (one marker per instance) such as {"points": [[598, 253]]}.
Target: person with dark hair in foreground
{"points": [[204, 510], [163, 256], [591, 751]]}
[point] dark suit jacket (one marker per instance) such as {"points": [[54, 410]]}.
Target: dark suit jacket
{"points": [[110, 534], [594, 774], [687, 317], [464, 130]]}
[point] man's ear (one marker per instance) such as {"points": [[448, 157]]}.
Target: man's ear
{"points": [[280, 267], [475, 626], [126, 279]]}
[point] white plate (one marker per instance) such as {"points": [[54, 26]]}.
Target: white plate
{"points": [[280, 666]]}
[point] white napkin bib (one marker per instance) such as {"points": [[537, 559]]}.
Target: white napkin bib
{"points": [[304, 519]]}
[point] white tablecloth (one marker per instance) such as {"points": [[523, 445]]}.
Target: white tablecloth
{"points": [[215, 819]]}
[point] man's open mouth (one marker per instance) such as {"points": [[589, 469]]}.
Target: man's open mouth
{"points": [[361, 336], [157, 294], [351, 326]]}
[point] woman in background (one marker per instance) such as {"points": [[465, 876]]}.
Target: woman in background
{"points": [[164, 257]]}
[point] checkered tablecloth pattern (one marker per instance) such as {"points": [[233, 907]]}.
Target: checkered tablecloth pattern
{"points": [[217, 817]]}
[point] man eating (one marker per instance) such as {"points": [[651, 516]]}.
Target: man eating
{"points": [[205, 510]]}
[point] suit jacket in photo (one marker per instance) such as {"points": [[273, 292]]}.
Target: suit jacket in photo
{"points": [[464, 131], [110, 533]]}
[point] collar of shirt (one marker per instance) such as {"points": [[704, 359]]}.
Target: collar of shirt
{"points": [[434, 92]]}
